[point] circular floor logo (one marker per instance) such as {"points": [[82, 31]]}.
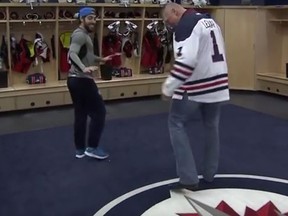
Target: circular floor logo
{"points": [[224, 202], [232, 201]]}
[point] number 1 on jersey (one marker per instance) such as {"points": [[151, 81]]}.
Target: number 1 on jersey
{"points": [[217, 57]]}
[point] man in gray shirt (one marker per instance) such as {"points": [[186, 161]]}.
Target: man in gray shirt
{"points": [[83, 90]]}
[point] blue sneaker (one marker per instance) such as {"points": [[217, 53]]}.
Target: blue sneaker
{"points": [[96, 153], [80, 153]]}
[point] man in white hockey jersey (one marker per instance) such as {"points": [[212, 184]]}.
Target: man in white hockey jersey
{"points": [[198, 82]]}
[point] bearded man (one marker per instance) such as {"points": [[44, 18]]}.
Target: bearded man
{"points": [[83, 90]]}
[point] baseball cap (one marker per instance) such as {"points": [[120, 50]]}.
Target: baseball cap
{"points": [[85, 11]]}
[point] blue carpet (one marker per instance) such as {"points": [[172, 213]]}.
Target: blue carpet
{"points": [[40, 176]]}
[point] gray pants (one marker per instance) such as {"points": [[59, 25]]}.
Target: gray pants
{"points": [[181, 112]]}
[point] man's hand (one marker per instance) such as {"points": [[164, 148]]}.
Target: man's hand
{"points": [[90, 69], [108, 58], [165, 98]]}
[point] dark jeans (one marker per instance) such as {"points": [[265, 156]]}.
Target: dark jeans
{"points": [[87, 102]]}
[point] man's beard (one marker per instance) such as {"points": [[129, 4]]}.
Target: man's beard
{"points": [[86, 26]]}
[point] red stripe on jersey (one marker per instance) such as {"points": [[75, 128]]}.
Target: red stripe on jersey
{"points": [[181, 70], [206, 85]]}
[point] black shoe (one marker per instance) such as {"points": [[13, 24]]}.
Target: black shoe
{"points": [[180, 186], [207, 181]]}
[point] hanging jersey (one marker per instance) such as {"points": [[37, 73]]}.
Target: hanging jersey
{"points": [[22, 55], [65, 39], [150, 50], [112, 44], [200, 67], [41, 48]]}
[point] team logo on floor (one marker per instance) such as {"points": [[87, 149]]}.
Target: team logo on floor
{"points": [[232, 201], [223, 209]]}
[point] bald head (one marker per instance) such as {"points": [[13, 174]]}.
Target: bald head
{"points": [[172, 5], [172, 13]]}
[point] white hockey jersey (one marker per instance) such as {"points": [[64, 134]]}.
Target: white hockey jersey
{"points": [[200, 66]]}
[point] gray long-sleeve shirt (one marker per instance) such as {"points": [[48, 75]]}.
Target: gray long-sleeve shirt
{"points": [[81, 47]]}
